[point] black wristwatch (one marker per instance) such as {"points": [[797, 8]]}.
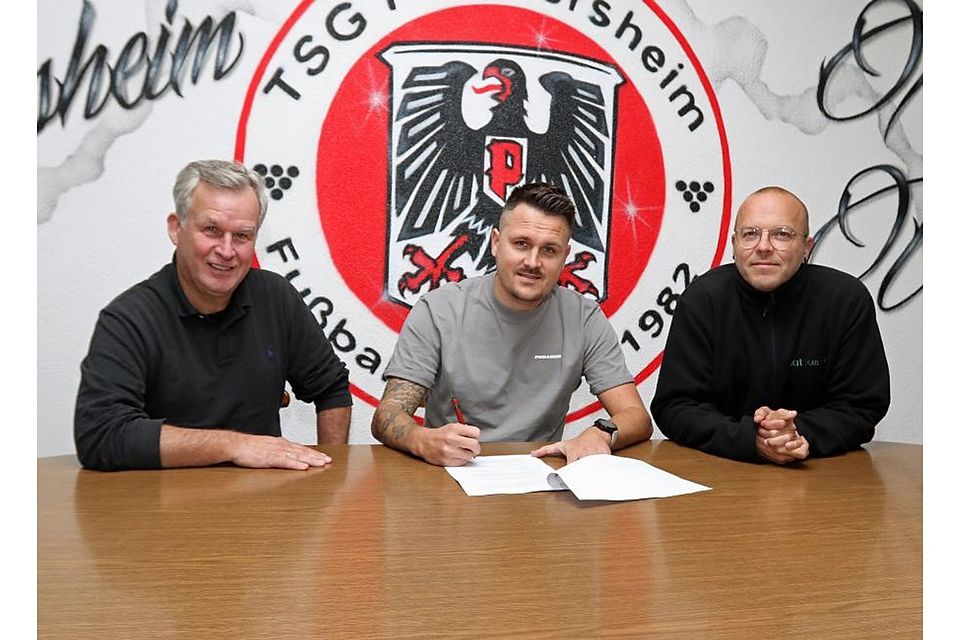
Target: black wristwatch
{"points": [[607, 425]]}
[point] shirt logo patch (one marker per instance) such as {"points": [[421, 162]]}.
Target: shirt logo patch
{"points": [[547, 356], [798, 363]]}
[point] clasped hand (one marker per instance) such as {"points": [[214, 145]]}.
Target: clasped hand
{"points": [[777, 436]]}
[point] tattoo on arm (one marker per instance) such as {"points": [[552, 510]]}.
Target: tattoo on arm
{"points": [[394, 417]]}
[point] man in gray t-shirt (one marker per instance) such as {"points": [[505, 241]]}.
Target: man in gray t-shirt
{"points": [[511, 347]]}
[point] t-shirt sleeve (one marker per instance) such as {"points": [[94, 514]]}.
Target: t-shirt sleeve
{"points": [[416, 357], [603, 363]]}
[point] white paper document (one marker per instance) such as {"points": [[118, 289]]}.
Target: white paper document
{"points": [[490, 475], [596, 477]]}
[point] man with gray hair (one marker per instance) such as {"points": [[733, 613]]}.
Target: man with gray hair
{"points": [[188, 367]]}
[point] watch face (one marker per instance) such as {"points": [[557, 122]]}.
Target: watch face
{"points": [[605, 425]]}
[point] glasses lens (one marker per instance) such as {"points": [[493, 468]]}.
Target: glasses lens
{"points": [[782, 237], [749, 236], [779, 237]]}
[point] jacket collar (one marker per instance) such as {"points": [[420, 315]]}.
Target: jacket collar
{"points": [[789, 290], [236, 307]]}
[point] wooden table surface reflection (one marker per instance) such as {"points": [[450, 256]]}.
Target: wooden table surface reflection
{"points": [[380, 545]]}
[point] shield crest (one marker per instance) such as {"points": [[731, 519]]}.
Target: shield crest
{"points": [[469, 123]]}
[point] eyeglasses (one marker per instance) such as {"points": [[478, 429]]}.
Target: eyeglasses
{"points": [[780, 237]]}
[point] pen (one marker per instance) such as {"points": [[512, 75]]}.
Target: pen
{"points": [[456, 410]]}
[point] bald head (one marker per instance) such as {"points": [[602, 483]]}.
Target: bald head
{"points": [[786, 199]]}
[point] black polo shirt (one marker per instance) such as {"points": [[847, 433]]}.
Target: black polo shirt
{"points": [[154, 359]]}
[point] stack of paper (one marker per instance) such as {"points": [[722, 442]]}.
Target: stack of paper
{"points": [[596, 477]]}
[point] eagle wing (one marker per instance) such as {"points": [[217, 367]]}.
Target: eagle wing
{"points": [[572, 152], [437, 176]]}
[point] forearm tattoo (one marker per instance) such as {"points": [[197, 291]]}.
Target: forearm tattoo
{"points": [[394, 417]]}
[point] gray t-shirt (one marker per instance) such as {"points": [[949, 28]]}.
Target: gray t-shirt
{"points": [[513, 372]]}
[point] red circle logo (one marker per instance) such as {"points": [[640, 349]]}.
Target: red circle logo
{"points": [[393, 140]]}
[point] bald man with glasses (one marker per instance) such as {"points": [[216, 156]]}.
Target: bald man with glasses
{"points": [[770, 359]]}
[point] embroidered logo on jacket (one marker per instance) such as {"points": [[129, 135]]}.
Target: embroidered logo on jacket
{"points": [[799, 363]]}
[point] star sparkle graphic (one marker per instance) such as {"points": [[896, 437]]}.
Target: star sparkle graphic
{"points": [[633, 212], [542, 37], [378, 97]]}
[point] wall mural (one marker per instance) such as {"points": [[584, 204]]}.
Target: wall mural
{"points": [[895, 99], [390, 132]]}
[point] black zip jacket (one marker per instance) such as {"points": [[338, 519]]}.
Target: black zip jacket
{"points": [[813, 346]]}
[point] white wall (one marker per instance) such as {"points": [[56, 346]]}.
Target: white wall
{"points": [[104, 182]]}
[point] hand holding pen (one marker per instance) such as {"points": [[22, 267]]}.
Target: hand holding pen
{"points": [[453, 444], [449, 445]]}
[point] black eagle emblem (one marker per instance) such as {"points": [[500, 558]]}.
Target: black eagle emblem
{"points": [[439, 160]]}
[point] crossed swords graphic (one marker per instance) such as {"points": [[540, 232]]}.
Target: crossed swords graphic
{"points": [[433, 270]]}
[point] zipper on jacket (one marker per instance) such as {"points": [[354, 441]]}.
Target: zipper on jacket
{"points": [[769, 307]]}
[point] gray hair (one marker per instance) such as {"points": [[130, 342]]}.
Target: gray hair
{"points": [[221, 174]]}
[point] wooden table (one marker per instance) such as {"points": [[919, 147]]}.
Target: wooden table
{"points": [[380, 545]]}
